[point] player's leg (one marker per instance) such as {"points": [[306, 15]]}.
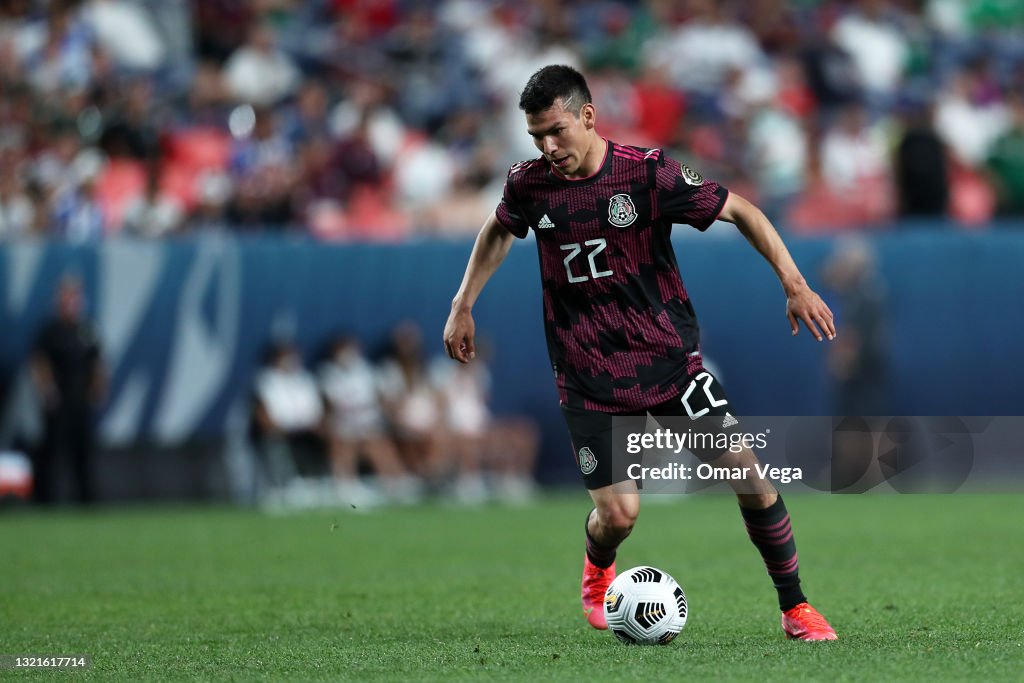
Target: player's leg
{"points": [[770, 530], [762, 508], [767, 523], [616, 505], [616, 508]]}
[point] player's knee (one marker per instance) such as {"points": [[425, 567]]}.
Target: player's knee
{"points": [[620, 515]]}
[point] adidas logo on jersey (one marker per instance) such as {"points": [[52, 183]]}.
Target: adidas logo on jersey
{"points": [[545, 223], [729, 421]]}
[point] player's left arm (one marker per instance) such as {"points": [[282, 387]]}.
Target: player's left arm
{"points": [[802, 303]]}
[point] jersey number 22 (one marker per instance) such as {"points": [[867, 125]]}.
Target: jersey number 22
{"points": [[575, 249]]}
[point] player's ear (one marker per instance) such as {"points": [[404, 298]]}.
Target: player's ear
{"points": [[588, 115]]}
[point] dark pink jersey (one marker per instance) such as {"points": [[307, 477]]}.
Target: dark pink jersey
{"points": [[621, 331]]}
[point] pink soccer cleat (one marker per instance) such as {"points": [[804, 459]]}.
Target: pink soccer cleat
{"points": [[595, 583], [803, 622]]}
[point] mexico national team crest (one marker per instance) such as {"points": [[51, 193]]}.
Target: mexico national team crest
{"points": [[621, 211], [588, 461]]}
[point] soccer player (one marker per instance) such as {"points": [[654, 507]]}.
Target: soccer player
{"points": [[621, 331]]}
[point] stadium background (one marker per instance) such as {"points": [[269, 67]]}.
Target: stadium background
{"points": [[336, 182], [224, 174]]}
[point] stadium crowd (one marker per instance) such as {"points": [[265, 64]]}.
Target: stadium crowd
{"points": [[384, 119]]}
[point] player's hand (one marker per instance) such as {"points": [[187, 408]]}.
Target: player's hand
{"points": [[803, 304], [459, 333]]}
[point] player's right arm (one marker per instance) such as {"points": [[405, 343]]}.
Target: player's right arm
{"points": [[490, 249]]}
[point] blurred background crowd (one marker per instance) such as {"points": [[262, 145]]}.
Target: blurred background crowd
{"points": [[892, 131], [385, 119], [342, 426], [363, 433]]}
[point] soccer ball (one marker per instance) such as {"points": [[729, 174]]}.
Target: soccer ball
{"points": [[645, 606]]}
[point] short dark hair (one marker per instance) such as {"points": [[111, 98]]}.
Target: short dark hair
{"points": [[551, 83]]}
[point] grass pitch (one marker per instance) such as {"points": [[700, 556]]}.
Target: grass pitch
{"points": [[918, 587]]}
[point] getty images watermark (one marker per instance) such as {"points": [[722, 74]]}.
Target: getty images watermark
{"points": [[662, 439], [835, 454]]}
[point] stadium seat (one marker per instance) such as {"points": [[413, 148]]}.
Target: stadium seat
{"points": [[120, 182], [201, 148]]}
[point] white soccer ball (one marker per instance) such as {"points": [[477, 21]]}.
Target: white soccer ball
{"points": [[645, 606]]}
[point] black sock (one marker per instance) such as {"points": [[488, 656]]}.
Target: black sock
{"points": [[600, 556], [770, 531]]}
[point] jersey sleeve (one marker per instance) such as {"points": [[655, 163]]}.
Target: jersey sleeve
{"points": [[508, 213], [684, 196]]}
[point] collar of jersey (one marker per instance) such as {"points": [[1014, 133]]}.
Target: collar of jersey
{"points": [[606, 163]]}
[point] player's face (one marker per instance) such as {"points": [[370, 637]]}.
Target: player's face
{"points": [[562, 137]]}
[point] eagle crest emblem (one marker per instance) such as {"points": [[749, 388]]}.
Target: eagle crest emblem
{"points": [[621, 211]]}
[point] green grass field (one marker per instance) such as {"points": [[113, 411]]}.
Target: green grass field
{"points": [[918, 587]]}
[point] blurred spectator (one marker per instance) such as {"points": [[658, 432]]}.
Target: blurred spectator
{"points": [[70, 380], [307, 120], [871, 35], [338, 169], [132, 127], [462, 392], [625, 31], [264, 172], [617, 93], [288, 418], [40, 201], [55, 168], [258, 72], [969, 118], [213, 190], [921, 169], [126, 31], [513, 444], [411, 404], [855, 172], [432, 67], [220, 26], [77, 215], [701, 53], [831, 74], [857, 360], [1006, 162], [367, 105], [17, 214], [475, 192], [660, 107], [778, 159], [357, 428], [154, 213], [776, 24], [854, 153], [207, 99], [56, 52], [411, 106], [491, 456], [427, 173]]}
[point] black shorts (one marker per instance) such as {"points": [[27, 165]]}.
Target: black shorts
{"points": [[602, 462]]}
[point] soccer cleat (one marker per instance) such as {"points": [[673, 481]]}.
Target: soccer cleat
{"points": [[595, 583], [803, 622]]}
